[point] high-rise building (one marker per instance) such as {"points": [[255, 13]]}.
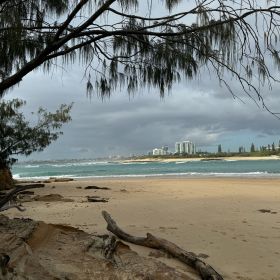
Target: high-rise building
{"points": [[177, 147], [160, 152], [185, 147]]}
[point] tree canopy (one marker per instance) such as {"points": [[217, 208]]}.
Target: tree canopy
{"points": [[19, 137], [120, 45]]}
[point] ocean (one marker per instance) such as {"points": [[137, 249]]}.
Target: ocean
{"points": [[99, 169]]}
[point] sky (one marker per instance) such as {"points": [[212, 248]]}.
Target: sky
{"points": [[200, 110]]}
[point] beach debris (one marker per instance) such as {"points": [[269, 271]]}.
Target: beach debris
{"points": [[78, 187], [96, 188], [47, 181], [97, 199], [25, 198], [267, 211], [54, 179], [27, 193], [52, 198], [205, 271], [33, 185], [8, 201]]}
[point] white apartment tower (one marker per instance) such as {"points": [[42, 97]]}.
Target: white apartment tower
{"points": [[185, 147], [177, 147], [160, 152]]}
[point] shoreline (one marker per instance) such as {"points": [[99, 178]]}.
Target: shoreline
{"points": [[66, 178]]}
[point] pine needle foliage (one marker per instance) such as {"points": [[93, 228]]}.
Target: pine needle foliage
{"points": [[121, 46], [19, 137]]}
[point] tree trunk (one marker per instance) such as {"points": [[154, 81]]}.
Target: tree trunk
{"points": [[6, 178]]}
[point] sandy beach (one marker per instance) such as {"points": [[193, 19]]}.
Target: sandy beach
{"points": [[216, 217], [184, 159]]}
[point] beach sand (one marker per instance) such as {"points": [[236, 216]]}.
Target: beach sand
{"points": [[186, 159], [216, 217]]}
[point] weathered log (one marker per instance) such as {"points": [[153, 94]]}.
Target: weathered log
{"points": [[96, 188], [10, 195], [97, 199], [31, 186], [205, 271]]}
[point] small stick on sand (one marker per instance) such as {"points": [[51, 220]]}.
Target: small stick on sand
{"points": [[205, 271]]}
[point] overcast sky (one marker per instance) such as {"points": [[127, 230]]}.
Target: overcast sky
{"points": [[200, 110]]}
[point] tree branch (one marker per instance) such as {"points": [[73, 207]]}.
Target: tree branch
{"points": [[14, 192]]}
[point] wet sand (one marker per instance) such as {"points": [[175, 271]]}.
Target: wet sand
{"points": [[216, 217]]}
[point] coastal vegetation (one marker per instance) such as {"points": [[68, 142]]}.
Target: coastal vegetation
{"points": [[20, 137]]}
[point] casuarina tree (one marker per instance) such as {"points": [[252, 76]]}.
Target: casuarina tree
{"points": [[121, 43]]}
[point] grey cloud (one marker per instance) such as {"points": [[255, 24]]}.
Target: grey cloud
{"points": [[198, 110]]}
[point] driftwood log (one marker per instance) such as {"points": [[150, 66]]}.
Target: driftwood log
{"points": [[205, 271], [96, 188], [97, 199], [4, 201]]}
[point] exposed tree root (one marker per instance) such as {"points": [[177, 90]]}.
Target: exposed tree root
{"points": [[205, 271], [10, 195]]}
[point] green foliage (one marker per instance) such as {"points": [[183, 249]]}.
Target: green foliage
{"points": [[19, 137], [134, 50], [18, 40]]}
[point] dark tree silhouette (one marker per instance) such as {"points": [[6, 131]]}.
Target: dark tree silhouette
{"points": [[19, 137], [119, 45]]}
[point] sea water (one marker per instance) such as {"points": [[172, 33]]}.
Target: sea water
{"points": [[93, 168]]}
